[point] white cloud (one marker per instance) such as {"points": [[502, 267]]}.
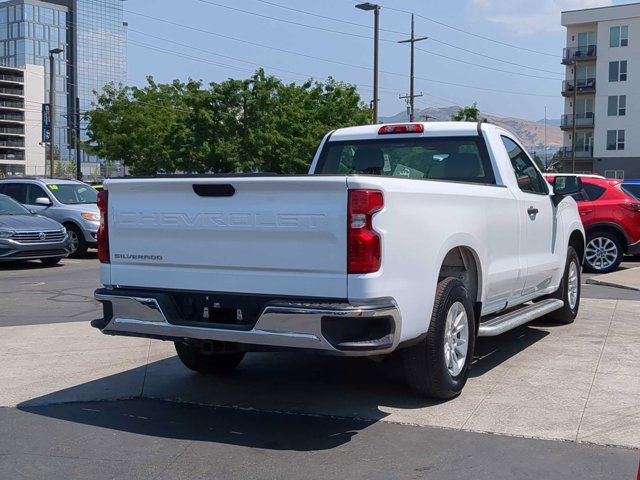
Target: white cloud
{"points": [[528, 17]]}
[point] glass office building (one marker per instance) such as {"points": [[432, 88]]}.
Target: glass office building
{"points": [[91, 34]]}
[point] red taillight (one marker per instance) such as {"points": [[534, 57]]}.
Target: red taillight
{"points": [[103, 230], [401, 128], [363, 250]]}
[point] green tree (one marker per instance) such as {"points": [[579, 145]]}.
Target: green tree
{"points": [[257, 124], [467, 114]]}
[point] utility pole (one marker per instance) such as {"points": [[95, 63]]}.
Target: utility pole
{"points": [[546, 160], [412, 95], [573, 125], [52, 109], [376, 40]]}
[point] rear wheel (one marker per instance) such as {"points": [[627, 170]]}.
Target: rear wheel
{"points": [[604, 252], [438, 366], [77, 243], [51, 261], [195, 358]]}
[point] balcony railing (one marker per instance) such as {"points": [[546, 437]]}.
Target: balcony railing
{"points": [[11, 78], [585, 85], [581, 152], [10, 130], [16, 117], [579, 54], [583, 120], [10, 104], [12, 91], [12, 143], [12, 156]]}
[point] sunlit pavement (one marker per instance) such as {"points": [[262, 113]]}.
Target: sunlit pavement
{"points": [[302, 415]]}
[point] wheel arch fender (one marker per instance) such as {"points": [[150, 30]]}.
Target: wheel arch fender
{"points": [[610, 227], [462, 256]]}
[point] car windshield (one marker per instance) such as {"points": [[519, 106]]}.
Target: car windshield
{"points": [[73, 193], [8, 206]]}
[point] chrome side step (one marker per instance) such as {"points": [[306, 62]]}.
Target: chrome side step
{"points": [[493, 326]]}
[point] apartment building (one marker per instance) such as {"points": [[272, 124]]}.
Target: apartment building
{"points": [[21, 98], [601, 91]]}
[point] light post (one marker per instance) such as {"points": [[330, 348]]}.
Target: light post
{"points": [[52, 108], [376, 40]]}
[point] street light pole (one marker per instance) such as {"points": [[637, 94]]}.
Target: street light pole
{"points": [[52, 109], [412, 95], [376, 40]]}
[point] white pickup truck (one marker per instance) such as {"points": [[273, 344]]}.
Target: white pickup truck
{"points": [[415, 237]]}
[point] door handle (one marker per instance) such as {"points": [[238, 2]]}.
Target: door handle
{"points": [[584, 212], [532, 211]]}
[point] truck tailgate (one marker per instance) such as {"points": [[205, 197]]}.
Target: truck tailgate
{"points": [[261, 235]]}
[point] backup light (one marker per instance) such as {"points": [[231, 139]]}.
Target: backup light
{"points": [[401, 128]]}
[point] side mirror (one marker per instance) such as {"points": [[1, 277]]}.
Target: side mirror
{"points": [[43, 201], [564, 186]]}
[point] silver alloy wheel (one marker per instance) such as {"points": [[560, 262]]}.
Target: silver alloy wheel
{"points": [[456, 338], [573, 283], [73, 240], [601, 253]]}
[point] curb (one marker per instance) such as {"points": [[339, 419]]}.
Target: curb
{"points": [[592, 281]]}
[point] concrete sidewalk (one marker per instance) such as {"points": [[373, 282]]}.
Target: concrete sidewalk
{"points": [[579, 382], [629, 279]]}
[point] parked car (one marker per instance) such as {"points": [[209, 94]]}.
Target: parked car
{"points": [[416, 237], [27, 236], [632, 187], [611, 218], [69, 202]]}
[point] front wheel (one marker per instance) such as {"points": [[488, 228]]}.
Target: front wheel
{"points": [[568, 292], [438, 366], [603, 253], [194, 358]]}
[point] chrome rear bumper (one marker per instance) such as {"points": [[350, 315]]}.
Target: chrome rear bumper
{"points": [[285, 324]]}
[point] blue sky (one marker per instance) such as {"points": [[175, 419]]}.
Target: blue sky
{"points": [[312, 46]]}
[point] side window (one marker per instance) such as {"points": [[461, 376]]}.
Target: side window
{"points": [[592, 191], [35, 191], [17, 191], [529, 178]]}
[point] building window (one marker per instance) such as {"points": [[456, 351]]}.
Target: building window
{"points": [[617, 106], [619, 174], [618, 71], [619, 36], [615, 139]]}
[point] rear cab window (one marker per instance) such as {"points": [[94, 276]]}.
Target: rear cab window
{"points": [[458, 159]]}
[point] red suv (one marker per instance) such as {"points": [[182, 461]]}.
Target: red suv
{"points": [[611, 219]]}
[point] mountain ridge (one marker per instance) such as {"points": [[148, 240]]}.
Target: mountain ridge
{"points": [[530, 132]]}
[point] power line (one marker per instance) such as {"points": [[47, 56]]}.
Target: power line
{"points": [[486, 67], [313, 14], [208, 32], [291, 22], [489, 39]]}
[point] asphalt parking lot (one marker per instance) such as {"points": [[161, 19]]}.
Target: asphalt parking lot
{"points": [[542, 402]]}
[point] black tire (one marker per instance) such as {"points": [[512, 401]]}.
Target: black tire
{"points": [[424, 363], [81, 249], [51, 261], [590, 266], [193, 358], [566, 314]]}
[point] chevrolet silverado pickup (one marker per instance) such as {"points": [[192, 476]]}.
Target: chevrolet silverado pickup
{"points": [[414, 238]]}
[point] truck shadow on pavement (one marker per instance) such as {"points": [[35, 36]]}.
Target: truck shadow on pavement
{"points": [[268, 394]]}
